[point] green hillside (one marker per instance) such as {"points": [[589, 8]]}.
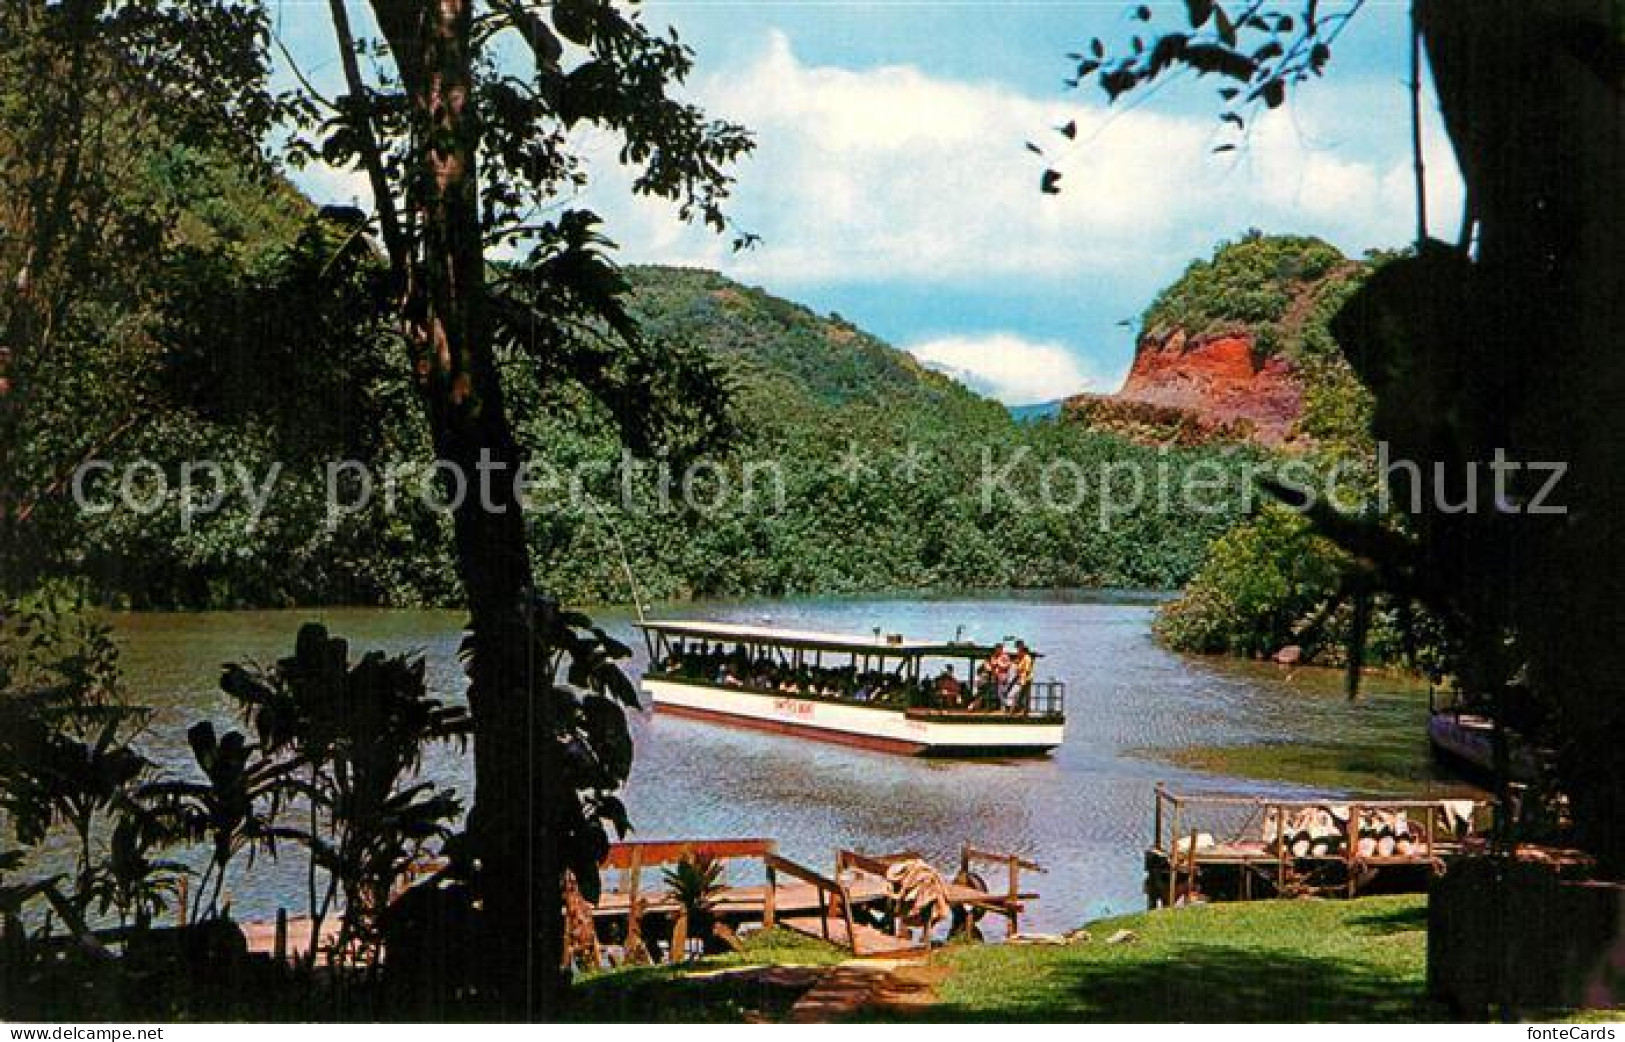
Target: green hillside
{"points": [[1270, 582], [813, 392], [777, 347], [864, 469], [1281, 291]]}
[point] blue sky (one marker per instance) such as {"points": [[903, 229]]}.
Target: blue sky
{"points": [[890, 182]]}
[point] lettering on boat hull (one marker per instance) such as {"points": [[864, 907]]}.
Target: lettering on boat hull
{"points": [[886, 730]]}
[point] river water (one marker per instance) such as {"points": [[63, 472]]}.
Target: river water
{"points": [[1136, 713]]}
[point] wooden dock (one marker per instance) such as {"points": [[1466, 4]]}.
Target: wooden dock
{"points": [[1229, 848], [863, 905], [859, 906]]}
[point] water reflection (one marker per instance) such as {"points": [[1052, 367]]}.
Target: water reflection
{"points": [[1084, 813]]}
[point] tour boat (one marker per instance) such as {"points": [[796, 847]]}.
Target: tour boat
{"points": [[875, 691]]}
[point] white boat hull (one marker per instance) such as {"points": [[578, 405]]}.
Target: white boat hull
{"points": [[889, 730]]}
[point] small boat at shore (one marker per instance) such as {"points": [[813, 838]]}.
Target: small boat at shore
{"points": [[876, 691], [1463, 735]]}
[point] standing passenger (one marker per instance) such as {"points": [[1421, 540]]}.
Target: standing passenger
{"points": [[998, 665], [1024, 666]]}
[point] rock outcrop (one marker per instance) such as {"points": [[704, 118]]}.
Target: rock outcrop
{"points": [[1226, 352], [1194, 390]]}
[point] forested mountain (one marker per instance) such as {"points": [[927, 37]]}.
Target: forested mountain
{"points": [[1239, 347], [882, 462], [230, 376], [867, 468], [241, 338]]}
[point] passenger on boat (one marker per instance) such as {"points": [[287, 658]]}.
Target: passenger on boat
{"points": [[998, 665], [949, 689], [1025, 663], [985, 688]]}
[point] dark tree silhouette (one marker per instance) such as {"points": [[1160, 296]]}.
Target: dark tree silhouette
{"points": [[461, 149], [1505, 341]]}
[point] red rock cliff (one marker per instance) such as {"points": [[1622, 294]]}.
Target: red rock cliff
{"points": [[1218, 380]]}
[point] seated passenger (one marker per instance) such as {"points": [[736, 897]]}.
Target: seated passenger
{"points": [[948, 688], [987, 689]]}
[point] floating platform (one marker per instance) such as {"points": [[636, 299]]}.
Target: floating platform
{"points": [[1234, 848]]}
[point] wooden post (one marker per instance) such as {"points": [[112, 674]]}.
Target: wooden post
{"points": [[1281, 849], [279, 946], [1173, 855], [180, 901], [1190, 867], [769, 899], [1351, 850], [635, 949], [846, 913], [1156, 827]]}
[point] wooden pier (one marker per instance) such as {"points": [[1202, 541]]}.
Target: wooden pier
{"points": [[1229, 848], [871, 905], [861, 905]]}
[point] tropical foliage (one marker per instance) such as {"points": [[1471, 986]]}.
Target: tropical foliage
{"points": [[1496, 345], [331, 770], [1270, 582]]}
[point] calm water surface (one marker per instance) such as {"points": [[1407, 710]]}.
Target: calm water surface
{"points": [[1084, 813]]}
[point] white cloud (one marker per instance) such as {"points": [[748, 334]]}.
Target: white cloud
{"points": [[890, 174], [1008, 367]]}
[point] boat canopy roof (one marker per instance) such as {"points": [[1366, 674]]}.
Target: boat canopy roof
{"points": [[862, 643]]}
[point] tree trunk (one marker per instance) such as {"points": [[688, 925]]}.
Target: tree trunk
{"points": [[1531, 97], [518, 784]]}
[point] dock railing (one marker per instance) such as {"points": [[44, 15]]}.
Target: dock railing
{"points": [[630, 859], [833, 898]]}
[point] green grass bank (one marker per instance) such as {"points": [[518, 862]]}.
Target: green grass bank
{"points": [[1296, 961]]}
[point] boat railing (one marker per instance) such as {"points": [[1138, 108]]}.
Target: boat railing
{"points": [[1039, 699], [1048, 698]]}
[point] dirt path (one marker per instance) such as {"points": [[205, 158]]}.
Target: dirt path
{"points": [[868, 986]]}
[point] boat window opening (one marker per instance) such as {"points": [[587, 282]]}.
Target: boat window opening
{"points": [[953, 678]]}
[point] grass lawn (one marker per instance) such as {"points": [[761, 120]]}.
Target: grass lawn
{"points": [[719, 989], [1293, 961]]}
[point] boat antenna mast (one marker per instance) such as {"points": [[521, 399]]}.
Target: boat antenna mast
{"points": [[620, 549]]}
